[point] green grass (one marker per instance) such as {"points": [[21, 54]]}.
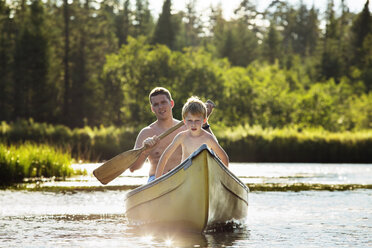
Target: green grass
{"points": [[254, 144], [243, 143], [30, 160], [87, 144]]}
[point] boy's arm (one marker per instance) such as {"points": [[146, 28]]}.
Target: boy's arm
{"points": [[219, 151], [166, 154]]}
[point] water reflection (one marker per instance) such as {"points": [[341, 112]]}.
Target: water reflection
{"points": [[66, 230], [166, 237]]}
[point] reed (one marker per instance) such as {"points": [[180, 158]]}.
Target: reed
{"points": [[87, 144], [30, 160], [243, 143], [255, 144]]}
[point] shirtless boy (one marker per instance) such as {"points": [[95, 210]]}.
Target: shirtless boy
{"points": [[194, 114], [161, 105]]}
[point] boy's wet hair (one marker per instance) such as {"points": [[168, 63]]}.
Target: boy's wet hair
{"points": [[194, 106], [160, 91]]}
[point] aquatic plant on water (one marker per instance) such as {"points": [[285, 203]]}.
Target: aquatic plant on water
{"points": [[30, 160]]}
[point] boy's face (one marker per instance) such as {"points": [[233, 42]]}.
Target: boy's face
{"points": [[194, 122], [161, 106]]}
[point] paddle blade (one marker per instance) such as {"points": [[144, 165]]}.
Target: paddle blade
{"points": [[117, 165]]}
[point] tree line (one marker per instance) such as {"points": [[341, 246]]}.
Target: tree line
{"points": [[90, 63]]}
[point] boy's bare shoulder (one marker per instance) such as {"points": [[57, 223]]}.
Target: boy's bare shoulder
{"points": [[182, 134], [209, 137]]}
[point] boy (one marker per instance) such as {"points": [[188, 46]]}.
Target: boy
{"points": [[194, 114]]}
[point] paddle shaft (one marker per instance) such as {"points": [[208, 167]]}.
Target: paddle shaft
{"points": [[170, 130], [117, 165]]}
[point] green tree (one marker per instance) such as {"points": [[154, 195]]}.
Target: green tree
{"points": [[123, 23], [193, 24], [189, 26], [367, 62], [139, 67], [271, 45], [79, 39], [228, 46], [66, 59], [240, 44], [281, 16], [164, 30], [331, 64], [246, 49], [361, 27], [7, 31], [343, 41], [361, 44], [31, 67], [143, 20], [312, 31], [233, 39], [217, 29], [92, 37], [248, 14]]}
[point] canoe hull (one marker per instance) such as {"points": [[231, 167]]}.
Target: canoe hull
{"points": [[199, 193]]}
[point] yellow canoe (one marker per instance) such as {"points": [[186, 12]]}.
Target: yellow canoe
{"points": [[199, 194]]}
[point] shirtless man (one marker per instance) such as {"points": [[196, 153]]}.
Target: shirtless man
{"points": [[161, 105], [194, 114]]}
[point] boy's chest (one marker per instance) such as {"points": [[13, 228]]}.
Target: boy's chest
{"points": [[191, 144]]}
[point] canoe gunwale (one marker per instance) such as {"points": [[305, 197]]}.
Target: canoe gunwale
{"points": [[185, 165], [227, 171]]}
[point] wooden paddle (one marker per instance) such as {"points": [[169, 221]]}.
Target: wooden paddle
{"points": [[117, 165]]}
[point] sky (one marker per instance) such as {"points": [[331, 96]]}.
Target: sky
{"points": [[228, 6]]}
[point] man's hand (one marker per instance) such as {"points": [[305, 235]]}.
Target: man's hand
{"points": [[210, 106], [150, 142]]}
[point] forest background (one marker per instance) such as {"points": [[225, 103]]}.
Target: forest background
{"points": [[290, 82]]}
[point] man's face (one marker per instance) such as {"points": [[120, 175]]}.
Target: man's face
{"points": [[162, 106]]}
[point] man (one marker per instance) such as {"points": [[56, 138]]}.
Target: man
{"points": [[161, 105]]}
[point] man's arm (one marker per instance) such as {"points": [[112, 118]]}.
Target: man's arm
{"points": [[166, 154], [210, 106], [143, 139]]}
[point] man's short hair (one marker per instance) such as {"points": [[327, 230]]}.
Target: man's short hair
{"points": [[160, 91], [194, 106]]}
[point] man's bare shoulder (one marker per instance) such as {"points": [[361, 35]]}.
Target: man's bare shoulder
{"points": [[149, 130], [145, 133]]}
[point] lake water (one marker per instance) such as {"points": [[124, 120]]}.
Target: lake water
{"points": [[290, 205]]}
